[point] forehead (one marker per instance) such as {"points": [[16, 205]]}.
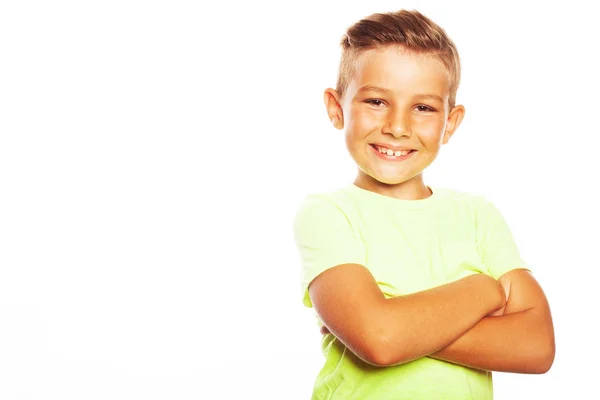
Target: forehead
{"points": [[397, 69]]}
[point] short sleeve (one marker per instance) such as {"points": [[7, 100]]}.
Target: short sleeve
{"points": [[498, 249], [324, 238]]}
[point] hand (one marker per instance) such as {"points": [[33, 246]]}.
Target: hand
{"points": [[506, 287], [492, 291]]}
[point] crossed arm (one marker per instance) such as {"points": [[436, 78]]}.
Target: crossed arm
{"points": [[478, 322]]}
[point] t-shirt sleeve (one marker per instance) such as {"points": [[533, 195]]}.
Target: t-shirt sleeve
{"points": [[324, 238], [496, 242]]}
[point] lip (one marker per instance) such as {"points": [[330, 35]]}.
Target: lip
{"points": [[392, 158], [394, 148]]}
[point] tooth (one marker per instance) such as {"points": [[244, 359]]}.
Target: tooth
{"points": [[398, 153], [390, 153]]}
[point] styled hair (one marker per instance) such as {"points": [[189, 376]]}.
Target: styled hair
{"points": [[409, 29]]}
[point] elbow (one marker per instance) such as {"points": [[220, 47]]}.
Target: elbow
{"points": [[547, 359], [380, 352], [543, 358], [542, 366], [378, 357], [371, 350]]}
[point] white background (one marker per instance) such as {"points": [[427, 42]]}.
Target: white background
{"points": [[152, 155]]}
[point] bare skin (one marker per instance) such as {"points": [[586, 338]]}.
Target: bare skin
{"points": [[400, 329], [518, 337]]}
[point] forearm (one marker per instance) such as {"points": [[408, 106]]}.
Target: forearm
{"points": [[517, 342], [521, 340], [419, 324]]}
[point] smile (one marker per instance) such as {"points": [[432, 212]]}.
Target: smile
{"points": [[388, 154]]}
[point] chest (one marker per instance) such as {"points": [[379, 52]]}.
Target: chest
{"points": [[412, 251]]}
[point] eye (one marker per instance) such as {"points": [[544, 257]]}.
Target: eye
{"points": [[424, 108], [375, 102]]}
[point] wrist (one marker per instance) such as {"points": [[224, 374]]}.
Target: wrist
{"points": [[489, 292]]}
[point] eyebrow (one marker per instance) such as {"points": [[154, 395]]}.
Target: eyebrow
{"points": [[430, 96], [372, 89], [382, 90]]}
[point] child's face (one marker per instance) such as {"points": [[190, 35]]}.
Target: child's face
{"points": [[396, 101]]}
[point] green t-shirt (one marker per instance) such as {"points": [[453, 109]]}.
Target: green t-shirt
{"points": [[409, 246]]}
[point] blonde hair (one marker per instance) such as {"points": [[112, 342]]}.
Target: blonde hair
{"points": [[408, 29]]}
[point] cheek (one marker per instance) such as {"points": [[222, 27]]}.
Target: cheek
{"points": [[362, 120], [431, 131]]}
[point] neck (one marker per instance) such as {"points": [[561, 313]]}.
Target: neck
{"points": [[413, 189]]}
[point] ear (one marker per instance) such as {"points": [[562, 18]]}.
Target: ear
{"points": [[334, 108], [455, 117]]}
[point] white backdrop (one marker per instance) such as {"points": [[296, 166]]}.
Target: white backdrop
{"points": [[152, 155]]}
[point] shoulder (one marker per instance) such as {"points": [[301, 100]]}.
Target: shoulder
{"points": [[457, 195], [460, 198], [337, 201], [327, 215], [469, 207]]}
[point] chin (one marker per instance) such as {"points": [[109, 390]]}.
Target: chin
{"points": [[388, 181], [393, 182]]}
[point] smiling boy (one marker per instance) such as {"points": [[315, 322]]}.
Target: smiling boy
{"points": [[420, 292]]}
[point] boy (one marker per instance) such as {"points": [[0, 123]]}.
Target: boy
{"points": [[421, 292]]}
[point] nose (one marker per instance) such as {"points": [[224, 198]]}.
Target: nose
{"points": [[398, 123]]}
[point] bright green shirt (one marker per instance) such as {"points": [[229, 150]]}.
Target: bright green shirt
{"points": [[409, 246]]}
